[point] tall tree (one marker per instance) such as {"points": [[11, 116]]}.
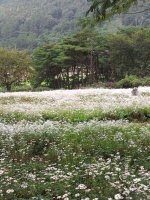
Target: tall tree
{"points": [[15, 66], [71, 62], [130, 52], [49, 60]]}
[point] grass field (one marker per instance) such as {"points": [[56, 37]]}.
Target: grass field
{"points": [[89, 144]]}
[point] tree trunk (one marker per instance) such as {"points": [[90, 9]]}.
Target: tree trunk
{"points": [[68, 82], [8, 87]]}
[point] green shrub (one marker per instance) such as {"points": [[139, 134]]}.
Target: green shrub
{"points": [[2, 89], [20, 88], [146, 81], [129, 82], [41, 88]]}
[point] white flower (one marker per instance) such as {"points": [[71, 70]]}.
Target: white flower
{"points": [[24, 185], [126, 192], [1, 172], [118, 169], [136, 180], [77, 195], [107, 177], [132, 189], [87, 190], [9, 191], [32, 176], [65, 195], [118, 197], [81, 187]]}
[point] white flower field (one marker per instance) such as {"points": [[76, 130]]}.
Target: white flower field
{"points": [[86, 144]]}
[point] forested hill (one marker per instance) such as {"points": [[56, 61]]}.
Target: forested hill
{"points": [[25, 23]]}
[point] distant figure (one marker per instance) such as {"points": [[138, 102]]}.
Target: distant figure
{"points": [[134, 91]]}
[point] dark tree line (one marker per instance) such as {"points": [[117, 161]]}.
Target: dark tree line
{"points": [[69, 64], [88, 57]]}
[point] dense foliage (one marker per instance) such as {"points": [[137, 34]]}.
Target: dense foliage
{"points": [[104, 9], [88, 57], [70, 63], [15, 67], [82, 59]]}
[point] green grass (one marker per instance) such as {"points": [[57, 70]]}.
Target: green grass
{"points": [[47, 164], [74, 154], [13, 117], [75, 116]]}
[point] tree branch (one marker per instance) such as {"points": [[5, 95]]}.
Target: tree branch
{"points": [[132, 13]]}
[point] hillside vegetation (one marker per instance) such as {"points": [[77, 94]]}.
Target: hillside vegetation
{"points": [[23, 24], [27, 24]]}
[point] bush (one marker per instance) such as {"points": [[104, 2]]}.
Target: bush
{"points": [[111, 85], [40, 89], [146, 81], [129, 82], [2, 89], [21, 88]]}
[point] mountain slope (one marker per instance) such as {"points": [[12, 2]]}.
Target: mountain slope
{"points": [[25, 23]]}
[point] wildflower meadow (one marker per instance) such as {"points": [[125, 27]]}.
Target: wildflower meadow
{"points": [[86, 144]]}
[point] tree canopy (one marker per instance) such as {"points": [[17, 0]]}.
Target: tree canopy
{"points": [[15, 66], [104, 9], [88, 57]]}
